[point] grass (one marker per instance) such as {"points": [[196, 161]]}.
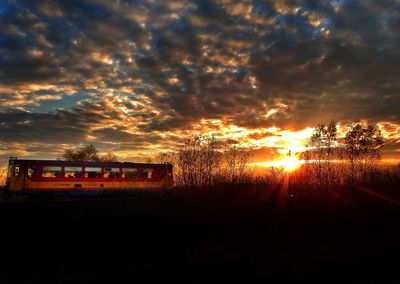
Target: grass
{"points": [[267, 229]]}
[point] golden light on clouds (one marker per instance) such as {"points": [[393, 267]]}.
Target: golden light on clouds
{"points": [[285, 140], [279, 141]]}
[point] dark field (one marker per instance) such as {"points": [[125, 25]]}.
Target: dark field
{"points": [[341, 236]]}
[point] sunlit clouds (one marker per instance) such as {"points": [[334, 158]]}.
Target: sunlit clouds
{"points": [[134, 77]]}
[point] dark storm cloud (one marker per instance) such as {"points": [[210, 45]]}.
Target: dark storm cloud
{"points": [[64, 126], [347, 74], [251, 63], [121, 135]]}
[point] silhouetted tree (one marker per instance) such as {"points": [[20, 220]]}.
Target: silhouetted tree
{"points": [[188, 160], [197, 161], [203, 161], [362, 145], [211, 159], [323, 144], [237, 159], [88, 154], [166, 158], [323, 139], [109, 157]]}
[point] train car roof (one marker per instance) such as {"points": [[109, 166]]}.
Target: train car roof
{"points": [[116, 164]]}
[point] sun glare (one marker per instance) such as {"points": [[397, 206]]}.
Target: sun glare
{"points": [[289, 163]]}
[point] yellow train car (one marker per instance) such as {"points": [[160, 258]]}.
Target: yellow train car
{"points": [[61, 176]]}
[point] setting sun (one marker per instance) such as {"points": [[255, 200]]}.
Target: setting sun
{"points": [[289, 163]]}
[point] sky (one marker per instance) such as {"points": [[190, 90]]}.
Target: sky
{"points": [[134, 77]]}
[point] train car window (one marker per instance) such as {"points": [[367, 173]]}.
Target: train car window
{"points": [[17, 170], [146, 173], [129, 172], [91, 172], [51, 172], [31, 172], [111, 172], [73, 172]]}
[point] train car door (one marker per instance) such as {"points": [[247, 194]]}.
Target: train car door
{"points": [[17, 182]]}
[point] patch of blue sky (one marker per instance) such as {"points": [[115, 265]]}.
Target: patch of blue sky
{"points": [[327, 23], [4, 7], [193, 69], [179, 26], [66, 102]]}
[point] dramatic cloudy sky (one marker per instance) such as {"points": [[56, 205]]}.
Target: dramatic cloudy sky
{"points": [[133, 77]]}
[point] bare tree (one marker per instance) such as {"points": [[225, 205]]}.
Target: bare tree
{"points": [[166, 158], [188, 156], [202, 161], [362, 145], [109, 157], [237, 159], [210, 160], [323, 144], [88, 154]]}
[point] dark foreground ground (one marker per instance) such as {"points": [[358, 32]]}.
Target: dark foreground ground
{"points": [[202, 237]]}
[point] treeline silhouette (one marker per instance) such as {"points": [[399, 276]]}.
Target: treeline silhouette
{"points": [[330, 161], [351, 159], [204, 161]]}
